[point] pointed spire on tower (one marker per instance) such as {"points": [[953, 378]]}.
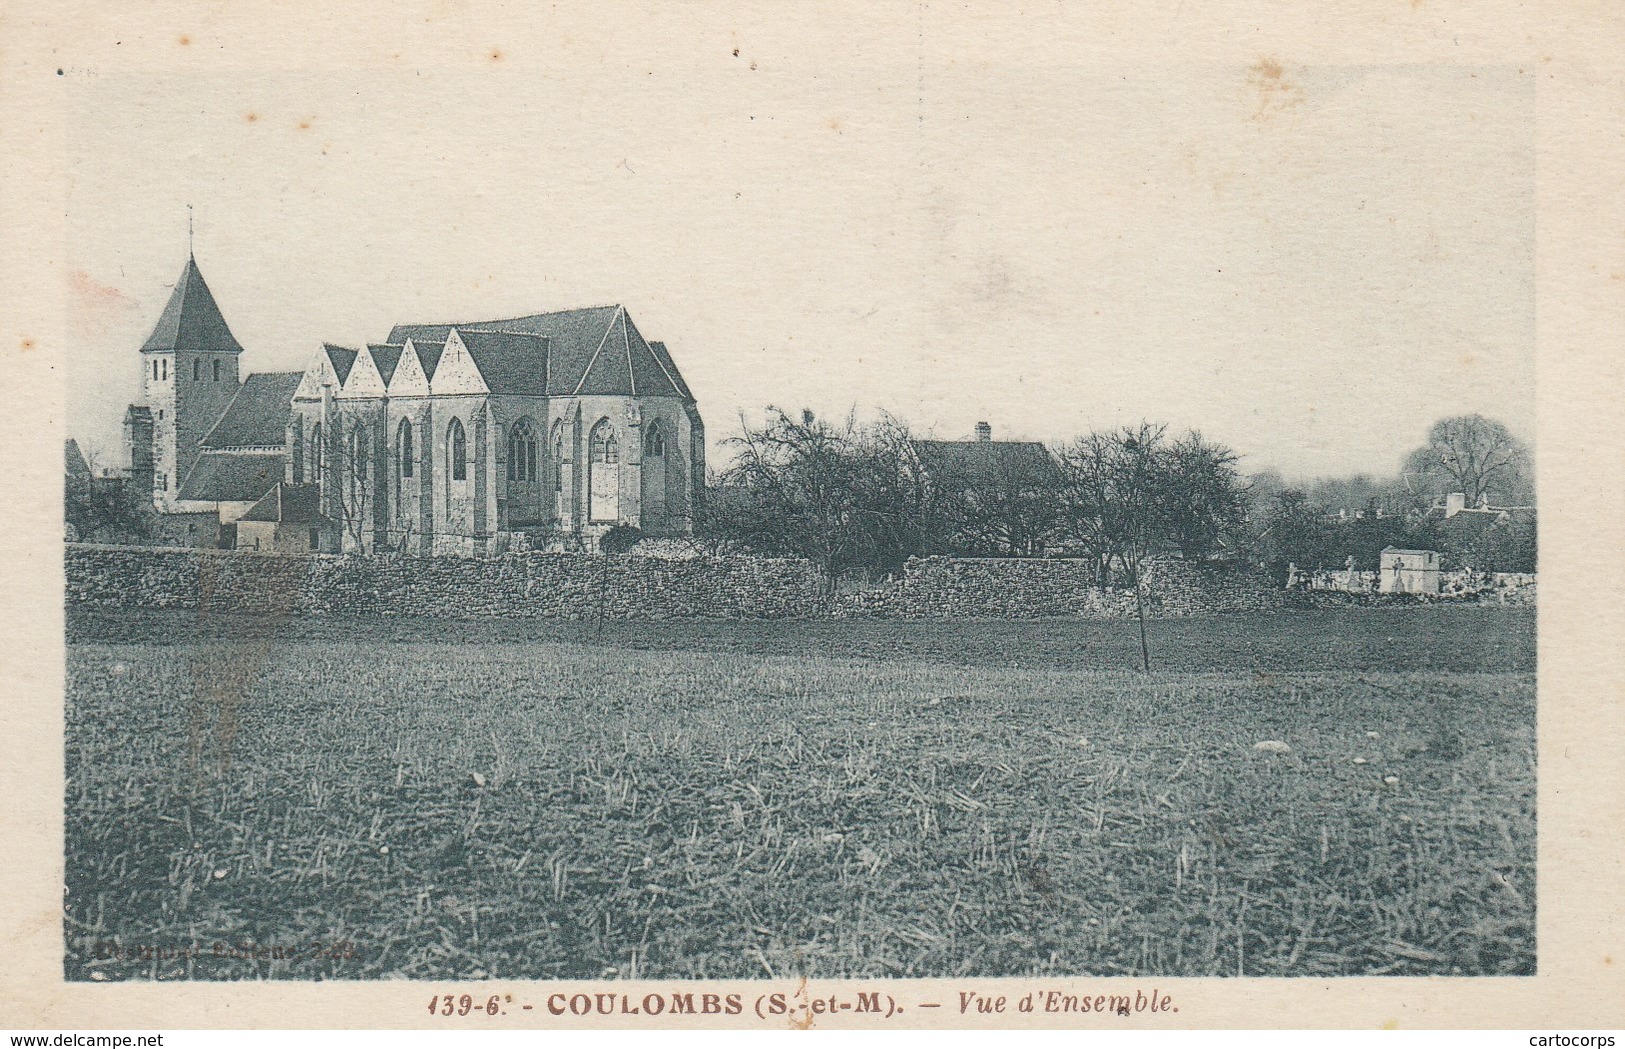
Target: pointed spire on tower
{"points": [[191, 319]]}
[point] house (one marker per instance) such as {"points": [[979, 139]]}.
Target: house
{"points": [[997, 496], [442, 439], [1408, 571], [285, 520]]}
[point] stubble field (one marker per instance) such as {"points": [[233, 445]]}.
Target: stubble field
{"points": [[468, 800]]}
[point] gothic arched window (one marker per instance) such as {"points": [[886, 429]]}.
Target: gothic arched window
{"points": [[358, 452], [404, 448], [457, 450], [605, 449], [654, 441], [522, 452], [316, 455], [558, 455], [603, 473]]}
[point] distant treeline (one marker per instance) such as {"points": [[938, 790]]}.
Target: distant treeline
{"points": [[865, 497]]}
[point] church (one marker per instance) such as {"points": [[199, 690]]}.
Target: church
{"points": [[535, 432]]}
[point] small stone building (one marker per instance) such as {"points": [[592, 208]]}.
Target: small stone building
{"points": [[286, 520], [1408, 571]]}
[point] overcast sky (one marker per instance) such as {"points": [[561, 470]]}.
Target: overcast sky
{"points": [[1308, 264]]}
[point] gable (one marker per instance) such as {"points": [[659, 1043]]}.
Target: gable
{"points": [[456, 372], [597, 350], [364, 379], [409, 379], [318, 373]]}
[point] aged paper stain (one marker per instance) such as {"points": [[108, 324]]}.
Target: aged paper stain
{"points": [[1276, 93]]}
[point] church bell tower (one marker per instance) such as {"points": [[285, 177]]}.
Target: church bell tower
{"points": [[189, 374]]}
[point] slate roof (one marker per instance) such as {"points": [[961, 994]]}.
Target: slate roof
{"points": [[191, 319], [510, 362], [591, 351], [288, 504], [429, 353], [258, 416], [231, 477], [342, 359], [982, 463], [386, 356], [663, 355]]}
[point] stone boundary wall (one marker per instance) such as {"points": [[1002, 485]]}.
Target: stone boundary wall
{"points": [[581, 586], [1458, 587], [1044, 588], [1460, 582], [555, 586]]}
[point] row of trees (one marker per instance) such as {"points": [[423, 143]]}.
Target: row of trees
{"points": [[857, 497], [862, 497]]}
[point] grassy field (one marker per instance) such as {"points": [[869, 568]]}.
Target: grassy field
{"points": [[461, 800]]}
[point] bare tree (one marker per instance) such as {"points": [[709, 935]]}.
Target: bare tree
{"points": [[353, 486], [1204, 499], [1473, 455], [1131, 493], [842, 496]]}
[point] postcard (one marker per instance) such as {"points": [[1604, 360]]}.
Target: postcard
{"points": [[753, 516]]}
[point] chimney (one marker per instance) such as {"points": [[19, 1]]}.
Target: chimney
{"points": [[1455, 503], [984, 432]]}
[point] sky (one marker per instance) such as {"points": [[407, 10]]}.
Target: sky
{"points": [[1308, 264]]}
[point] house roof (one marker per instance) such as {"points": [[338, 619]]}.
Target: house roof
{"points": [[342, 359], [191, 319], [582, 352], [288, 504], [987, 462], [386, 356], [231, 477], [257, 416]]}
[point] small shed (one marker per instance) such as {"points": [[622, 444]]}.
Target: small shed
{"points": [[285, 521], [1408, 571]]}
